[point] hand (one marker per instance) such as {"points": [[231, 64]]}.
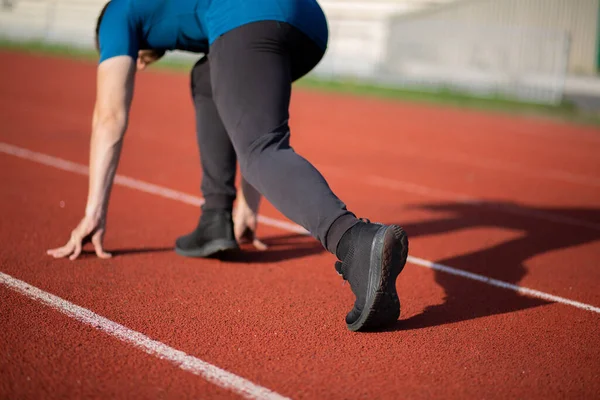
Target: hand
{"points": [[89, 229], [147, 57], [244, 226]]}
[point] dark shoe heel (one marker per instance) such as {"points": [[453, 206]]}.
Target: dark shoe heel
{"points": [[388, 257]]}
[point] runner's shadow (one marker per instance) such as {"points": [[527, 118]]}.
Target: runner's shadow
{"points": [[128, 251], [280, 248], [540, 231]]}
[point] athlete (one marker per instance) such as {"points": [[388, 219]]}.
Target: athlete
{"points": [[252, 53]]}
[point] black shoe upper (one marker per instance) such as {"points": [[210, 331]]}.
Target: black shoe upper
{"points": [[213, 225], [354, 251]]}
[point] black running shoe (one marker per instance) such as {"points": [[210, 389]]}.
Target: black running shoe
{"points": [[214, 234], [373, 255]]}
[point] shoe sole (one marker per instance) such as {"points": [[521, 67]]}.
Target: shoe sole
{"points": [[389, 252], [209, 249]]}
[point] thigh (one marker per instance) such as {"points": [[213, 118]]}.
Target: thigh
{"points": [[305, 54], [217, 154], [251, 81], [209, 126], [210, 132], [200, 80]]}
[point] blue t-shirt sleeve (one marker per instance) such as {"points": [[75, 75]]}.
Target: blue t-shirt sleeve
{"points": [[117, 35]]}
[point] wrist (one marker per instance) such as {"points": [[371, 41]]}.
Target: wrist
{"points": [[94, 213]]}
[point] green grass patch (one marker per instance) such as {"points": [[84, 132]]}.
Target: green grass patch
{"points": [[59, 50], [446, 96], [41, 47], [565, 111]]}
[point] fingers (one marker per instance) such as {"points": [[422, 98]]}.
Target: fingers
{"points": [[97, 242], [249, 236], [62, 251], [84, 233], [246, 236], [77, 250], [259, 245], [244, 227], [141, 61], [74, 247]]}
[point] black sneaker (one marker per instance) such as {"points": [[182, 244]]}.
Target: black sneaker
{"points": [[214, 234], [373, 255]]}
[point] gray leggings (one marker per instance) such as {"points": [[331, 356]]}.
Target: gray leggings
{"points": [[241, 93]]}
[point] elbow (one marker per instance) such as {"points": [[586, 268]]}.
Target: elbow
{"points": [[114, 122], [111, 119]]}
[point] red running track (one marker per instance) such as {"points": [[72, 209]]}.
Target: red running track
{"points": [[515, 200]]}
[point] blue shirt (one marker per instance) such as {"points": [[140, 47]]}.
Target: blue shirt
{"points": [[193, 25]]}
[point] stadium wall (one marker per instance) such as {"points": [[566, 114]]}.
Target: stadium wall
{"points": [[384, 41], [578, 19]]}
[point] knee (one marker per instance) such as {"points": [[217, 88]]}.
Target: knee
{"points": [[263, 147]]}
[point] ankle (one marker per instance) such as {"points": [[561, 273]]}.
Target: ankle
{"points": [[344, 246], [338, 229]]}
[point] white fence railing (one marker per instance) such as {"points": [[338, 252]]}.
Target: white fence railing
{"points": [[483, 59], [387, 45]]}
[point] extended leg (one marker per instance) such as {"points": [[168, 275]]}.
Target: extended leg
{"points": [[251, 77], [252, 71]]}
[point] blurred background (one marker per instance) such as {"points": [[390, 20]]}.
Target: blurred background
{"points": [[536, 51]]}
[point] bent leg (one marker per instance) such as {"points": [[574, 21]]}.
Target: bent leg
{"points": [[217, 155], [214, 232]]}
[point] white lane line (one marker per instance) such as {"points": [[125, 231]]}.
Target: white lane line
{"points": [[84, 170], [412, 188], [209, 372], [287, 226], [513, 167], [507, 208], [517, 168], [133, 183], [501, 284], [283, 225]]}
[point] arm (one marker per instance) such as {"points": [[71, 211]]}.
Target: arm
{"points": [[113, 100], [245, 216], [250, 196]]}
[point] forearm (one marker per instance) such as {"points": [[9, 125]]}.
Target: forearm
{"points": [[105, 150], [250, 196]]}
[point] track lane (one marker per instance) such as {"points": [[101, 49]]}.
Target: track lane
{"points": [[465, 330], [211, 311]]}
